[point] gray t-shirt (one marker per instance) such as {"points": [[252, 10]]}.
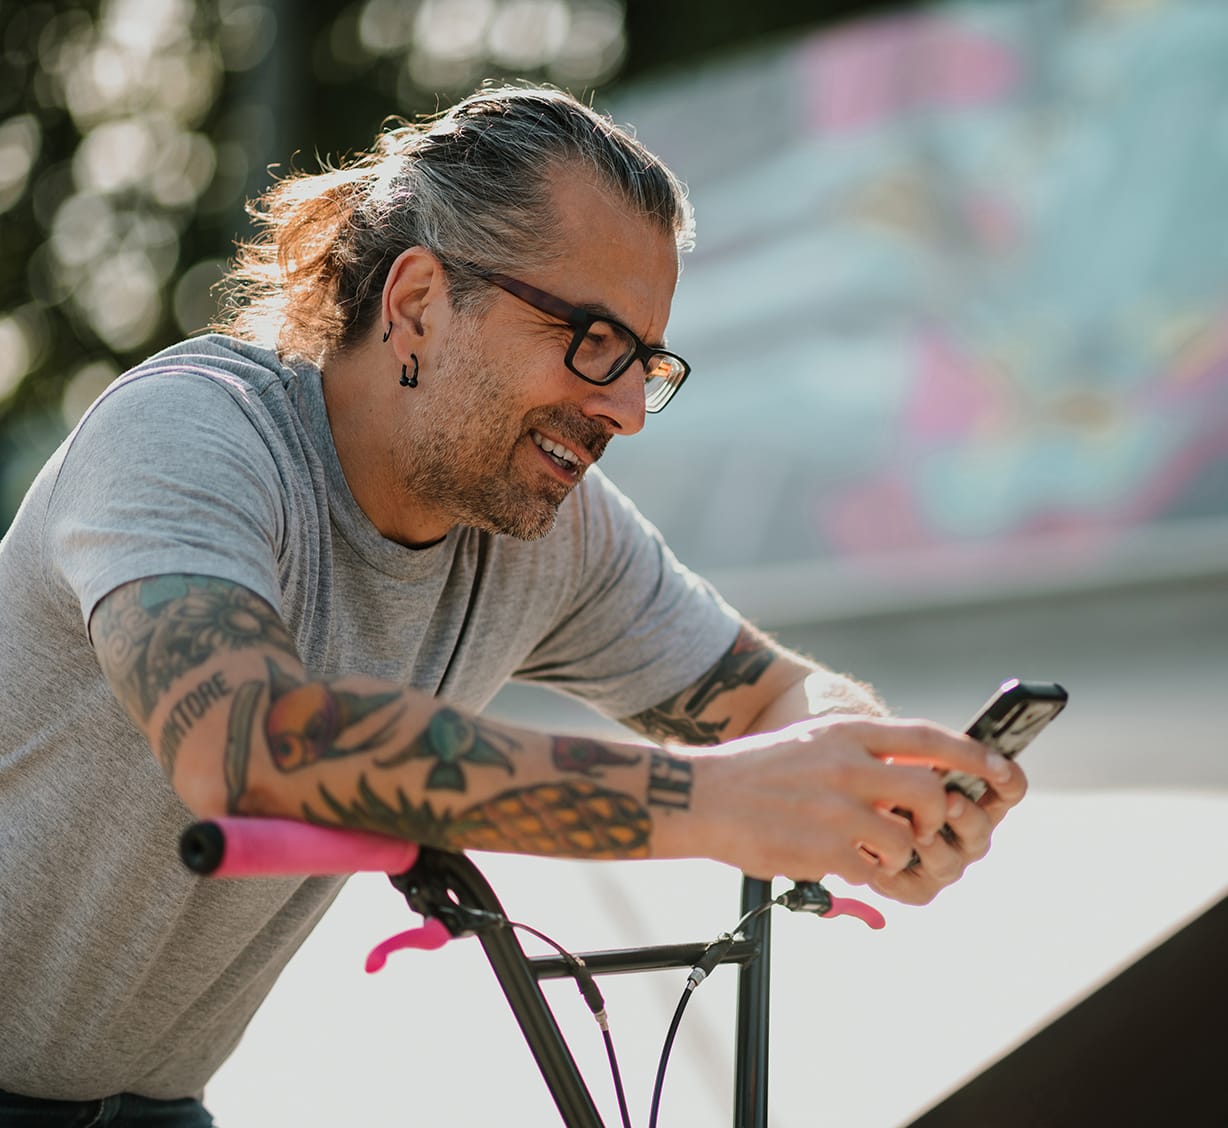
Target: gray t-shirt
{"points": [[119, 971]]}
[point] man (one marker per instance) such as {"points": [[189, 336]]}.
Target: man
{"points": [[297, 560]]}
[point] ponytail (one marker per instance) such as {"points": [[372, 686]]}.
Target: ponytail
{"points": [[473, 186]]}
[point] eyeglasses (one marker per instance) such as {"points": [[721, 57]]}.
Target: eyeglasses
{"points": [[601, 348]]}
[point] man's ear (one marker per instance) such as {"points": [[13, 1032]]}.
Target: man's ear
{"points": [[415, 294]]}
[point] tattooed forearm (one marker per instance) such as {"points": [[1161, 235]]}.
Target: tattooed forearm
{"points": [[680, 717], [187, 711], [152, 632], [308, 721], [667, 722], [669, 782], [303, 725], [588, 757], [743, 664], [575, 818], [239, 744], [450, 739]]}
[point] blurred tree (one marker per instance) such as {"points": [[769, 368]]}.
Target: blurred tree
{"points": [[132, 131]]}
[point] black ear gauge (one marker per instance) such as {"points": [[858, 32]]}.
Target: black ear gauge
{"points": [[406, 380]]}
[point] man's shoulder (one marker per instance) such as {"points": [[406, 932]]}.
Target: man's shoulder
{"points": [[243, 369], [199, 380]]}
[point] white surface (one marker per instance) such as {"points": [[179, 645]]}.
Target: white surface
{"points": [[868, 1028]]}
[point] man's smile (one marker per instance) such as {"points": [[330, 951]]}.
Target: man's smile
{"points": [[565, 457]]}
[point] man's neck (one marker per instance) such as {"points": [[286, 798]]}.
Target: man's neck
{"points": [[363, 411]]}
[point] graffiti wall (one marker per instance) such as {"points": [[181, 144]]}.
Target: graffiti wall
{"points": [[960, 294]]}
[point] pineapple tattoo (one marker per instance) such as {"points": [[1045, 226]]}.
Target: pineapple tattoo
{"points": [[576, 818]]}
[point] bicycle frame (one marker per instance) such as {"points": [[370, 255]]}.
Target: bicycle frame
{"points": [[449, 891], [452, 889]]}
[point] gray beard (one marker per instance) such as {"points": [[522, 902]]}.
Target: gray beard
{"points": [[470, 475]]}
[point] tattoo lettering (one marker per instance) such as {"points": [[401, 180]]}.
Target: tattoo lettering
{"points": [[152, 632], [189, 709], [451, 739], [574, 818], [588, 757], [669, 782], [306, 720], [678, 717]]}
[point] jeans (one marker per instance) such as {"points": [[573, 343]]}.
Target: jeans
{"points": [[126, 1110]]}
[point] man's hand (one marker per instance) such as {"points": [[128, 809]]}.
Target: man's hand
{"points": [[964, 840], [819, 797]]}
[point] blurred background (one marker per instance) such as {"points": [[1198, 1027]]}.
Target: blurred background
{"points": [[958, 317]]}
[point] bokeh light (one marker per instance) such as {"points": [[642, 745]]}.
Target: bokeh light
{"points": [[133, 131], [20, 138]]}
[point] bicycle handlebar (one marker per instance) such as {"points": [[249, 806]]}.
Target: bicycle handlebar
{"points": [[254, 847]]}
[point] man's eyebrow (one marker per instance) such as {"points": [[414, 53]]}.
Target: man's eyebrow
{"points": [[600, 309]]}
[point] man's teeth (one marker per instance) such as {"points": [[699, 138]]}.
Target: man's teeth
{"points": [[557, 450]]}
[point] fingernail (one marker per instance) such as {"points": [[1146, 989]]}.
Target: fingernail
{"points": [[955, 804], [926, 839], [999, 766]]}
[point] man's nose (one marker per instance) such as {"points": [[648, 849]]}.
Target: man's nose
{"points": [[620, 403]]}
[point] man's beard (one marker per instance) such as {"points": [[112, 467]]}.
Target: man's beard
{"points": [[471, 471]]}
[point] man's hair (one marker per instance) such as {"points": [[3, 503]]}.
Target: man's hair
{"points": [[471, 184]]}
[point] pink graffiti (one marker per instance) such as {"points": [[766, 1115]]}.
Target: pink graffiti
{"points": [[954, 393], [858, 76]]}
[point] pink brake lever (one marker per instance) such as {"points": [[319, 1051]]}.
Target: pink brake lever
{"points": [[846, 906], [431, 935]]}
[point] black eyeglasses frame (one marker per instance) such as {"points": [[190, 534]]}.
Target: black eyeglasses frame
{"points": [[581, 321]]}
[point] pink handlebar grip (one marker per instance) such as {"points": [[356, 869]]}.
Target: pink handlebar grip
{"points": [[846, 906], [250, 847]]}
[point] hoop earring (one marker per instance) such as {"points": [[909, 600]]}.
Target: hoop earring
{"points": [[388, 332], [410, 381]]}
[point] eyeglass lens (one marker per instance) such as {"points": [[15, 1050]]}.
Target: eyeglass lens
{"points": [[607, 349]]}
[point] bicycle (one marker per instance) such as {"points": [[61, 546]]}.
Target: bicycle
{"points": [[455, 900]]}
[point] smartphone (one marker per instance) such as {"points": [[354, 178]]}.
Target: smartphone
{"points": [[1009, 721]]}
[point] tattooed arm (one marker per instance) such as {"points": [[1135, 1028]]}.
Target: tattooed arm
{"points": [[804, 760], [756, 686], [210, 675]]}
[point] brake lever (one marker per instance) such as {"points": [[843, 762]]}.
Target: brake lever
{"points": [[813, 897]]}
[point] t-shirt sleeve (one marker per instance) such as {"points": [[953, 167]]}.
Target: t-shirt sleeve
{"points": [[639, 626], [167, 473]]}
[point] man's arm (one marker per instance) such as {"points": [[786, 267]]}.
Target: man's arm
{"points": [[209, 673], [755, 686], [758, 687]]}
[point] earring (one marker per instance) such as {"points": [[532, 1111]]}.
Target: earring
{"points": [[388, 332], [410, 381]]}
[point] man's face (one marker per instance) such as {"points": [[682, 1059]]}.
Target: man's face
{"points": [[511, 429]]}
